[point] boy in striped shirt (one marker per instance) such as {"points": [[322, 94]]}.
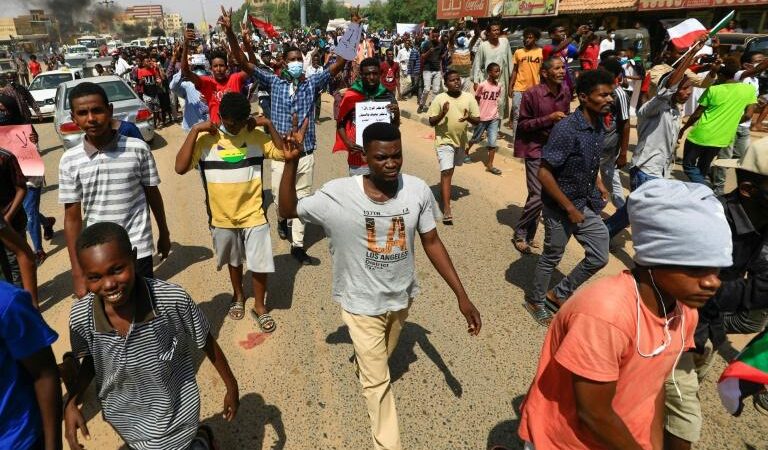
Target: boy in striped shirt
{"points": [[134, 336], [230, 155]]}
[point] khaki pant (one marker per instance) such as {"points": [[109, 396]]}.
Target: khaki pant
{"points": [[374, 339], [683, 412], [304, 176]]}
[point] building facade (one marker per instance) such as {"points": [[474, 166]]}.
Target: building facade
{"points": [[173, 24]]}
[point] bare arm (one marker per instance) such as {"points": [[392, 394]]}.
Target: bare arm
{"points": [[691, 120], [594, 409], [73, 417], [155, 202], [440, 259], [73, 225], [623, 125], [219, 361], [225, 20], [583, 29], [18, 200], [184, 157], [186, 72], [42, 368]]}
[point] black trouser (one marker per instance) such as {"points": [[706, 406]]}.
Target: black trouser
{"points": [[144, 267]]}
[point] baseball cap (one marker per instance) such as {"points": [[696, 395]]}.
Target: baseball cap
{"points": [[755, 159]]}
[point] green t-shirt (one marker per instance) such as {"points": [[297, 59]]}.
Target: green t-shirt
{"points": [[450, 131], [724, 105]]}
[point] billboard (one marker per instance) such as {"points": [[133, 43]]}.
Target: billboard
{"points": [[523, 8], [454, 9], [647, 5]]}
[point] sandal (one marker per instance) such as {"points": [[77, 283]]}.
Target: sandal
{"points": [[448, 219], [265, 321], [552, 302], [237, 309], [493, 170], [522, 246], [540, 313]]}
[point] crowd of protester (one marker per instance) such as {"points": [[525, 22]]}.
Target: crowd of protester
{"points": [[623, 356]]}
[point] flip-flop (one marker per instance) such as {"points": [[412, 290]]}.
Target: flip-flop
{"points": [[522, 246], [493, 170], [236, 309], [264, 322], [553, 304], [540, 313], [448, 219]]}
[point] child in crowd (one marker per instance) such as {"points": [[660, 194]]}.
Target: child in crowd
{"points": [[231, 156], [450, 113], [487, 96], [134, 335]]}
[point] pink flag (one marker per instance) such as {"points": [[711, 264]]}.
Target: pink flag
{"points": [[684, 34]]}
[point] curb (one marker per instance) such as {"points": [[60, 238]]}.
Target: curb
{"points": [[504, 136]]}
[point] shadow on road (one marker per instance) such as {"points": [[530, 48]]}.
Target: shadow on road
{"points": [[457, 192], [249, 428], [504, 434], [405, 354], [158, 142], [179, 259], [45, 151]]}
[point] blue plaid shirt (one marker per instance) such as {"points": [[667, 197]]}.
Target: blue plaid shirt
{"points": [[414, 62], [302, 102]]}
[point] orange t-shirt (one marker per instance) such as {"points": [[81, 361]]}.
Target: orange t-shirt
{"points": [[594, 336]]}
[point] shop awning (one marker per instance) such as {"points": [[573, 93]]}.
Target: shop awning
{"points": [[595, 6], [650, 5]]}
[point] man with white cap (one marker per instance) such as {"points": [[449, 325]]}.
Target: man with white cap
{"points": [[601, 375], [739, 306]]}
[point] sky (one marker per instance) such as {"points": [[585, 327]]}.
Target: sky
{"points": [[190, 10]]}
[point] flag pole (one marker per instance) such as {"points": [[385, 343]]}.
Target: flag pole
{"points": [[719, 26]]}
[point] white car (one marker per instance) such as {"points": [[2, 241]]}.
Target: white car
{"points": [[77, 51], [114, 45], [43, 88]]}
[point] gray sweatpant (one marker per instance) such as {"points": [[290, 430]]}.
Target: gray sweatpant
{"points": [[592, 234]]}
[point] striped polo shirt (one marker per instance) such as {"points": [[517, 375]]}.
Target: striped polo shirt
{"points": [[109, 183], [231, 167], [146, 380]]}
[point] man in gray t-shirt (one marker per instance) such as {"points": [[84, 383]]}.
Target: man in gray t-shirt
{"points": [[372, 221]]}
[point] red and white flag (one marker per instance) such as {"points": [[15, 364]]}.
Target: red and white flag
{"points": [[684, 34]]}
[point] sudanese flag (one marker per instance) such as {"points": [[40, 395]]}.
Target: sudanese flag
{"points": [[745, 375]]}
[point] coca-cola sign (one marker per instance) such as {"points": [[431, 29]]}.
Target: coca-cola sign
{"points": [[453, 9]]}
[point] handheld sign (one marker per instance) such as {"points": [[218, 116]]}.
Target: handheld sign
{"points": [[347, 47], [15, 139], [367, 113]]}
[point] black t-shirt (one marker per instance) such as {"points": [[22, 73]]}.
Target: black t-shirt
{"points": [[432, 61]]}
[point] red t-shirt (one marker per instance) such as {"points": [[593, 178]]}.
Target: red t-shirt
{"points": [[212, 90], [389, 75], [34, 68], [148, 78], [589, 56], [594, 336]]}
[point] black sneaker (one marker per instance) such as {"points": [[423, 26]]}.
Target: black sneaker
{"points": [[48, 228], [301, 256], [282, 228]]}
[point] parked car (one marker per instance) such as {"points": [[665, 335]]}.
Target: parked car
{"points": [[7, 66], [127, 106], [43, 88], [77, 51]]}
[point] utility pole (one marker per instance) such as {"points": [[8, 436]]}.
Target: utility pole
{"points": [[303, 5], [107, 4]]}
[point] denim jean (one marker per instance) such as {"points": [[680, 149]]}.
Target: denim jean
{"points": [[432, 83], [735, 150], [517, 98], [34, 218], [591, 234], [697, 160], [611, 176], [492, 127], [620, 219]]}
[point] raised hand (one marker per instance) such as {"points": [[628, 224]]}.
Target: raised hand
{"points": [[446, 106], [465, 117], [356, 18], [226, 18], [207, 127]]}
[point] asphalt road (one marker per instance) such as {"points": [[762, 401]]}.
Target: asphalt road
{"points": [[297, 387]]}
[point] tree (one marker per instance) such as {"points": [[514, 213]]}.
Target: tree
{"points": [[157, 32], [130, 32]]}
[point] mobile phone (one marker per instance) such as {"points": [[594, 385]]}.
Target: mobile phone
{"points": [[190, 26]]}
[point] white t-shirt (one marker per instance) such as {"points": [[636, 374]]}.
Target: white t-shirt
{"points": [[403, 55], [372, 243], [605, 45], [749, 80]]}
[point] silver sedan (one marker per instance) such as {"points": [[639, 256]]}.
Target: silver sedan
{"points": [[126, 104]]}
